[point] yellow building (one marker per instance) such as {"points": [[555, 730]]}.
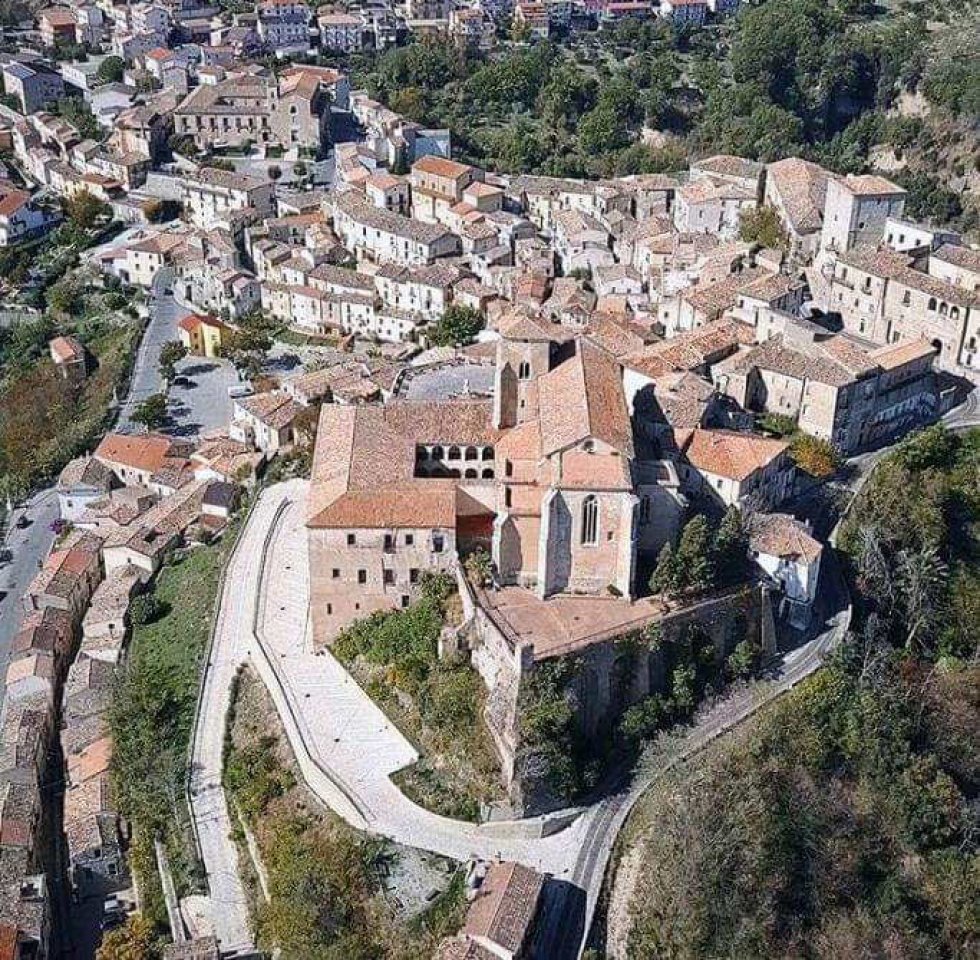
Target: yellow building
{"points": [[202, 335]]}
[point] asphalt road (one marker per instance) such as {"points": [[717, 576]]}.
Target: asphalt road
{"points": [[165, 312], [29, 546], [198, 398]]}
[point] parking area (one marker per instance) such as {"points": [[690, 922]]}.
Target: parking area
{"points": [[198, 400]]}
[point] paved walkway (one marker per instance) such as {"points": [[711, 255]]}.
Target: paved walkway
{"points": [[209, 808], [346, 748]]}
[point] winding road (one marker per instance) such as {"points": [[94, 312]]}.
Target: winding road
{"points": [[346, 749]]}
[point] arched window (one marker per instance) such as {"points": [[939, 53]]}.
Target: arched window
{"points": [[644, 510], [932, 304], [508, 468], [472, 453], [943, 309], [454, 453], [907, 298], [471, 474], [954, 313], [590, 520], [524, 370], [487, 473], [488, 453], [436, 453]]}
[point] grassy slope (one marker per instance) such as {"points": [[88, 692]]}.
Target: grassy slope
{"points": [[153, 711], [324, 878]]}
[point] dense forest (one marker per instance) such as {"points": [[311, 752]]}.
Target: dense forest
{"points": [[830, 81], [842, 823]]}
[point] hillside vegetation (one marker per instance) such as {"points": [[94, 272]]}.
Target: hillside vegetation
{"points": [[842, 822], [828, 81]]}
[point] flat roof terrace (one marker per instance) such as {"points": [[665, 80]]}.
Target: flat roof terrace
{"points": [[565, 623]]}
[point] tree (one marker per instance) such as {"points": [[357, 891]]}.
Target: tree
{"points": [[743, 660], [762, 225], [152, 412], [815, 456], [134, 941], [111, 69], [664, 577], [274, 172], [731, 548], [695, 563], [171, 353], [145, 609], [458, 325], [84, 209], [300, 169]]}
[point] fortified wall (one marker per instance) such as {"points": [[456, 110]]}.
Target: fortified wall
{"points": [[599, 677]]}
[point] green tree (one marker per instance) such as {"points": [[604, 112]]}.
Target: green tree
{"points": [[695, 561], [683, 682], [274, 172], [171, 353], [743, 660], [664, 578], [152, 412], [814, 455], [145, 608], [84, 209], [731, 547], [762, 225], [136, 940], [111, 70], [458, 325]]}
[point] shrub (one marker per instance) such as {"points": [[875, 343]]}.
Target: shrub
{"points": [[145, 609]]}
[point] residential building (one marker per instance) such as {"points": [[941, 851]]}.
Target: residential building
{"points": [[379, 236], [737, 468], [202, 334], [20, 218], [35, 85], [785, 550], [135, 458], [437, 185], [211, 194], [343, 32], [857, 209], [797, 190], [265, 420], [835, 388]]}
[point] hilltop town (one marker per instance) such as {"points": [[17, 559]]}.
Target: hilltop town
{"points": [[474, 482]]}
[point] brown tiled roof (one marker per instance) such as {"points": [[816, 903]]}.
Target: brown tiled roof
{"points": [[780, 535], [870, 184], [364, 464], [583, 397], [815, 361], [959, 256], [898, 354], [714, 298], [728, 453], [67, 349], [441, 167], [693, 349], [140, 451], [85, 470], [505, 904], [802, 190], [272, 408]]}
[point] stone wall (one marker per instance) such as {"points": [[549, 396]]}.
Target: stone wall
{"points": [[600, 681]]}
